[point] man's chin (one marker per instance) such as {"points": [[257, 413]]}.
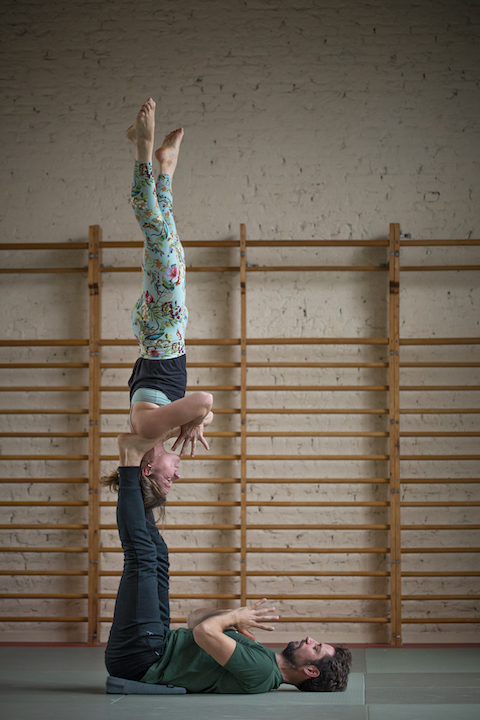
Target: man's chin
{"points": [[289, 652]]}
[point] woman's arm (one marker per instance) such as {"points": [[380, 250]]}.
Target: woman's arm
{"points": [[174, 432], [153, 421], [190, 433]]}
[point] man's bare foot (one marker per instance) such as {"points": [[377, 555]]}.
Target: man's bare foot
{"points": [[132, 448], [142, 131], [167, 154]]}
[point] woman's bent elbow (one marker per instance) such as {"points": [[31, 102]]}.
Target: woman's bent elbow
{"points": [[206, 401]]}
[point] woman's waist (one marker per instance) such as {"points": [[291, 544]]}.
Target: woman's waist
{"points": [[167, 376], [149, 396]]}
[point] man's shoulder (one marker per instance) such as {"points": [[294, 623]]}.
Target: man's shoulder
{"points": [[250, 651], [248, 642], [254, 665]]}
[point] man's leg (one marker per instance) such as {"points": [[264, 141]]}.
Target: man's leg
{"points": [[141, 621], [163, 578]]}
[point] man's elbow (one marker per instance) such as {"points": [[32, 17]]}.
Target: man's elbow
{"points": [[205, 630], [200, 635], [191, 620]]}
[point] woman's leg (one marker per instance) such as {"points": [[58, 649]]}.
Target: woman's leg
{"points": [[159, 317], [141, 619], [167, 157], [165, 201]]}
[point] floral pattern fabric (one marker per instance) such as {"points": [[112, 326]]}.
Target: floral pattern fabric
{"points": [[159, 317]]}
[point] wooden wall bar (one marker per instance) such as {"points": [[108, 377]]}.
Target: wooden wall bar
{"points": [[393, 599], [94, 427], [394, 444]]}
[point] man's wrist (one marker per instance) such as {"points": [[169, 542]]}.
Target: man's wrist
{"points": [[229, 619], [219, 619]]}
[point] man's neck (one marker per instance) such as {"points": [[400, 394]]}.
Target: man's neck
{"points": [[289, 673]]}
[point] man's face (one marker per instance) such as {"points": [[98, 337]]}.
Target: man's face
{"points": [[305, 652]]}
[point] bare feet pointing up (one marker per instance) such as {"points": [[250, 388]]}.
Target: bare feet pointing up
{"points": [[167, 154], [142, 131]]}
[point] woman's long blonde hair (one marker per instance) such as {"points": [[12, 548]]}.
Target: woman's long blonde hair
{"points": [[152, 496]]}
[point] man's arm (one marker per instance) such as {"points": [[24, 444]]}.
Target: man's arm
{"points": [[209, 634], [198, 616]]}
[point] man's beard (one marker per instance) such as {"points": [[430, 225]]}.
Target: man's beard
{"points": [[289, 653]]}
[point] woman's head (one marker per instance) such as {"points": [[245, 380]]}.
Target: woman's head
{"points": [[157, 474], [160, 470]]}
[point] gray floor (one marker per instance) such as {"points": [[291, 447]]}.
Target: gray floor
{"points": [[67, 683]]}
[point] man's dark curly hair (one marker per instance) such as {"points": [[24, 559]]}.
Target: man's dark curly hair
{"points": [[333, 672]]}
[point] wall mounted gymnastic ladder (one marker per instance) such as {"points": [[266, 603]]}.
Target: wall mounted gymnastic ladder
{"points": [[250, 560]]}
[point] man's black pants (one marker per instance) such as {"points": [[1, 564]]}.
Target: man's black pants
{"points": [[141, 620]]}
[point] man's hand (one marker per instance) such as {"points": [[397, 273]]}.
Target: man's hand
{"points": [[190, 433], [209, 632], [253, 616]]}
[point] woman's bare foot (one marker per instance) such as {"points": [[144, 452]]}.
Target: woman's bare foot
{"points": [[167, 154], [142, 131], [132, 448]]}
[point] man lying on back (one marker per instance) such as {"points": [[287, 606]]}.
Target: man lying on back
{"points": [[217, 653]]}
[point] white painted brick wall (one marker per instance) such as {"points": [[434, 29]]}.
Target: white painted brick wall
{"points": [[304, 119]]}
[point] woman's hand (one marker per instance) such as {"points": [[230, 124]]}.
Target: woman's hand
{"points": [[190, 433], [253, 616]]}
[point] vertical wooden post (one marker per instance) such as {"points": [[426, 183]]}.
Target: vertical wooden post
{"points": [[94, 286], [394, 422], [243, 414]]}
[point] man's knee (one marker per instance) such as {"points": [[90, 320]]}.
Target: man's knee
{"points": [[140, 552]]}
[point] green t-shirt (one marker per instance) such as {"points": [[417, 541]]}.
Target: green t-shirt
{"points": [[251, 669]]}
